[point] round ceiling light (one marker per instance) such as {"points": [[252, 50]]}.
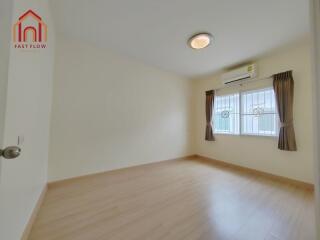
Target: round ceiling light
{"points": [[200, 40]]}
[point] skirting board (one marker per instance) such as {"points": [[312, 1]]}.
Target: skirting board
{"points": [[58, 182], [34, 214], [294, 182]]}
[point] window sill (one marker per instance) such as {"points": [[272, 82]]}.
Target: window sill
{"points": [[228, 134], [259, 136], [246, 135]]}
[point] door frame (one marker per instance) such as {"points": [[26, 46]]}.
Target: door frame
{"points": [[5, 28]]}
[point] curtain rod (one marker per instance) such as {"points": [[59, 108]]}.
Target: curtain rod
{"points": [[241, 82]]}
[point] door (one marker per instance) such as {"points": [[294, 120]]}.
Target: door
{"points": [[5, 20], [6, 154], [5, 24], [25, 104]]}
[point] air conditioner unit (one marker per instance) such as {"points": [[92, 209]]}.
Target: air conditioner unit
{"points": [[240, 74]]}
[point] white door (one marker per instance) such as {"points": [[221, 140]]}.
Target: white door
{"points": [[7, 155], [6, 152], [25, 106], [5, 20]]}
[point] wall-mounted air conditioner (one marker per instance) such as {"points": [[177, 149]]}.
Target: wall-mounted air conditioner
{"points": [[240, 74]]}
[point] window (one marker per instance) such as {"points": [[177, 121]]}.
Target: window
{"points": [[226, 114], [247, 113], [258, 113]]}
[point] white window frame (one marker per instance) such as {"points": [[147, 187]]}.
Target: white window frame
{"points": [[237, 120], [277, 121], [240, 127]]}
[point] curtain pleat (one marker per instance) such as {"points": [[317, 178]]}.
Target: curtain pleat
{"points": [[209, 111], [283, 86]]}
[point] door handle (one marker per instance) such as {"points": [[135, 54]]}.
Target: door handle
{"points": [[10, 152]]}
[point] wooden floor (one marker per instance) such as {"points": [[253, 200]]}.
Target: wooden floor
{"points": [[175, 200]]}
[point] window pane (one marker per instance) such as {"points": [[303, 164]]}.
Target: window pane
{"points": [[258, 113], [226, 114]]}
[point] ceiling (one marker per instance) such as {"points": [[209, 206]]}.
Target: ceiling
{"points": [[156, 31]]}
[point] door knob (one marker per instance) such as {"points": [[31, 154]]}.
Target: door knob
{"points": [[10, 152]]}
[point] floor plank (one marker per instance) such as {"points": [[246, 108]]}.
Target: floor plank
{"points": [[185, 199]]}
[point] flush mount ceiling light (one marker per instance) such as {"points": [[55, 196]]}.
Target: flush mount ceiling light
{"points": [[200, 40]]}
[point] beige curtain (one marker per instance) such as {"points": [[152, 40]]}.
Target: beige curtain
{"points": [[209, 110], [283, 86]]}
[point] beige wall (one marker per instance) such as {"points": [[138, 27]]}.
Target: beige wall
{"points": [[106, 107], [261, 152], [111, 112], [27, 114]]}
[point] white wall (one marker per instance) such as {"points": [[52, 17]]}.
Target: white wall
{"points": [[27, 113], [111, 112], [261, 152]]}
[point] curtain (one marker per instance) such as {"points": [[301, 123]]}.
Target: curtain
{"points": [[283, 86], [209, 110]]}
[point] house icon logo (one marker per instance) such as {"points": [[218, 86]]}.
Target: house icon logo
{"points": [[30, 32]]}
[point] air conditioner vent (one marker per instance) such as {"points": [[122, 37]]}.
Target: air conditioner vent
{"points": [[240, 74]]}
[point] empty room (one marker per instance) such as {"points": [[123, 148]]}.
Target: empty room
{"points": [[159, 120]]}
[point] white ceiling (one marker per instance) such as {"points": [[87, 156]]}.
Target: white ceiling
{"points": [[156, 31]]}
